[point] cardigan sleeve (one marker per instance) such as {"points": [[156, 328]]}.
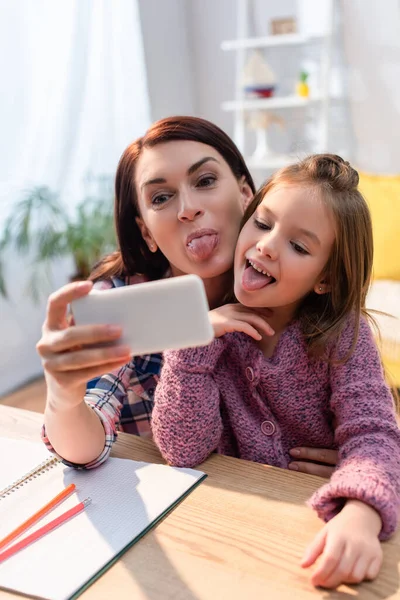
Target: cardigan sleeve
{"points": [[186, 420], [366, 434]]}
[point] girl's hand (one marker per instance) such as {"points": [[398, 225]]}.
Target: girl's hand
{"points": [[349, 547], [71, 355], [307, 459], [236, 317]]}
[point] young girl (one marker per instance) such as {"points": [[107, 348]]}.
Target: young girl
{"points": [[303, 260]]}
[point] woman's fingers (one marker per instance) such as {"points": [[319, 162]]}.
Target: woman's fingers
{"points": [[71, 379], [58, 302], [86, 358], [322, 455], [66, 339], [311, 469]]}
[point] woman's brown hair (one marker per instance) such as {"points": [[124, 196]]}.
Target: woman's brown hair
{"points": [[349, 268], [133, 256]]}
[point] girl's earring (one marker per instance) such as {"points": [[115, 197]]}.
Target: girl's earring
{"points": [[320, 288], [153, 247]]}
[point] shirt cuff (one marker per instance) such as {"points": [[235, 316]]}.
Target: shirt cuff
{"points": [[111, 436]]}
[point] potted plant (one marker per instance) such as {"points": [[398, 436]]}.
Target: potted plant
{"points": [[43, 228]]}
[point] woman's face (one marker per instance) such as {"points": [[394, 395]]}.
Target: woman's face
{"points": [[190, 206]]}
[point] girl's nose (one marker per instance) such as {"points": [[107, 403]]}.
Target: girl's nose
{"points": [[266, 246]]}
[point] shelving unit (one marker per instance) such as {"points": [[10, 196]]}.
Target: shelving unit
{"points": [[241, 105]]}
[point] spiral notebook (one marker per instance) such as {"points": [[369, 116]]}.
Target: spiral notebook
{"points": [[128, 499]]}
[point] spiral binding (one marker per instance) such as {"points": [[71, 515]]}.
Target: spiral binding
{"points": [[43, 467]]}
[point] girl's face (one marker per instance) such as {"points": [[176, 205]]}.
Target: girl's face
{"points": [[283, 249], [191, 206]]}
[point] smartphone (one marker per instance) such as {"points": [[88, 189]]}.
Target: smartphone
{"points": [[154, 316]]}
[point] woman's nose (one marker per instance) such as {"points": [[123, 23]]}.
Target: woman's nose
{"points": [[189, 209]]}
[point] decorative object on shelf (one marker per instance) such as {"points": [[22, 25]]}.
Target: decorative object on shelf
{"points": [[258, 79], [260, 121], [42, 227], [283, 26], [302, 87]]}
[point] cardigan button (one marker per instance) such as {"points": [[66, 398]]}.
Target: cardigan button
{"points": [[268, 428], [249, 373]]}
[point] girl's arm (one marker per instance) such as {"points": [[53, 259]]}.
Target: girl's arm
{"points": [[367, 435], [186, 419]]}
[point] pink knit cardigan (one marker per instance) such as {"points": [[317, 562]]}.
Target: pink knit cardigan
{"points": [[227, 397]]}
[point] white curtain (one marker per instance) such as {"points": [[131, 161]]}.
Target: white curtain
{"points": [[74, 91], [73, 95], [372, 45]]}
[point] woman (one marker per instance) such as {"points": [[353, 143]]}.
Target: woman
{"points": [[181, 191]]}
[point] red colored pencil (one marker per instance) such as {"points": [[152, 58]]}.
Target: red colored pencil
{"points": [[38, 515], [44, 530]]}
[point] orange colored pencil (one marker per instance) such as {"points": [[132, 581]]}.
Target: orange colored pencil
{"points": [[38, 515], [44, 530]]}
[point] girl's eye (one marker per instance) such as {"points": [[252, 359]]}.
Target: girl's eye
{"points": [[160, 199], [299, 249], [262, 225], [206, 181]]}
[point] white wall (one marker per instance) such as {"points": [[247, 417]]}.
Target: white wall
{"points": [[167, 47], [188, 73]]}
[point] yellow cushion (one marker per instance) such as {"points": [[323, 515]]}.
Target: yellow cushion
{"points": [[383, 196], [393, 372]]}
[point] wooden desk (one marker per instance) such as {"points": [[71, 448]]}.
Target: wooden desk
{"points": [[239, 535]]}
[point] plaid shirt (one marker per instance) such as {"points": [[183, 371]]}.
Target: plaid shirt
{"points": [[123, 399]]}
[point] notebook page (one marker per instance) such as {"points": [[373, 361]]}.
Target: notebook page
{"points": [[126, 497], [19, 457]]}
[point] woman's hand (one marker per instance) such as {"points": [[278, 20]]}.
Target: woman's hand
{"points": [[71, 355], [349, 547], [236, 317], [307, 459]]}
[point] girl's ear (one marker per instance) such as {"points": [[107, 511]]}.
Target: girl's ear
{"points": [[246, 192], [322, 287], [146, 235]]}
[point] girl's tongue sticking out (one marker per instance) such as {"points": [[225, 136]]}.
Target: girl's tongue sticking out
{"points": [[255, 279]]}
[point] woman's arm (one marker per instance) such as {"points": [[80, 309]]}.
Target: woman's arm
{"points": [[186, 420], [367, 435], [71, 356]]}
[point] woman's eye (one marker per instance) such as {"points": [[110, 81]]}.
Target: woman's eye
{"points": [[160, 199], [262, 225], [299, 249], [206, 181]]}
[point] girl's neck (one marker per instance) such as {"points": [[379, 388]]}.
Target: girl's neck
{"points": [[279, 319]]}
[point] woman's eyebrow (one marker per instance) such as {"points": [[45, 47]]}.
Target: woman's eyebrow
{"points": [[199, 163], [190, 171]]}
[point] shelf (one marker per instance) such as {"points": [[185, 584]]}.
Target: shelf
{"points": [[275, 161], [290, 39], [269, 103]]}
